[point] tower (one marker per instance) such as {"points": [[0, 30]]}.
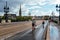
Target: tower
{"points": [[20, 11]]}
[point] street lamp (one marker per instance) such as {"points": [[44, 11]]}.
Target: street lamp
{"points": [[58, 9], [6, 10]]}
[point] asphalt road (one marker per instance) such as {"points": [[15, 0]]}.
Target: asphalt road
{"points": [[38, 34], [11, 29]]}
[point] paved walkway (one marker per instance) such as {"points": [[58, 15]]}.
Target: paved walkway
{"points": [[7, 30], [38, 34], [54, 31]]}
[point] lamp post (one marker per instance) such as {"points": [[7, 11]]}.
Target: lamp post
{"points": [[6, 10], [58, 9]]}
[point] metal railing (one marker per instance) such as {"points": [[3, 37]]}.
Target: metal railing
{"points": [[39, 31]]}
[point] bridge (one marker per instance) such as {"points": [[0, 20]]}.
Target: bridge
{"points": [[39, 33], [49, 32]]}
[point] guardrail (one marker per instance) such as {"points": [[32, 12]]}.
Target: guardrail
{"points": [[40, 31], [47, 34]]}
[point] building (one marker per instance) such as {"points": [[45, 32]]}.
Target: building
{"points": [[38, 17], [46, 17], [20, 11], [11, 16]]}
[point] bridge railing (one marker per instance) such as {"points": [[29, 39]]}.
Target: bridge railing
{"points": [[39, 31]]}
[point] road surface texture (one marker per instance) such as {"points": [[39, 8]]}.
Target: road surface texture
{"points": [[37, 34], [13, 28], [54, 31]]}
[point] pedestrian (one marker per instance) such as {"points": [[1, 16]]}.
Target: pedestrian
{"points": [[0, 19], [49, 20], [33, 24], [43, 23]]}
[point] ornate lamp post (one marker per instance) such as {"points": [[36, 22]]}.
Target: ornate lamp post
{"points": [[6, 10], [58, 9]]}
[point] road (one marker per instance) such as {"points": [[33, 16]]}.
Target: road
{"points": [[15, 27], [38, 34]]}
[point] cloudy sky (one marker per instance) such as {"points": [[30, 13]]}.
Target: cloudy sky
{"points": [[35, 7]]}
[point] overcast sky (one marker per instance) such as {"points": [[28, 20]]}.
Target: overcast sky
{"points": [[35, 7]]}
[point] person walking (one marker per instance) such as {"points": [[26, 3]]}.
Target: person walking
{"points": [[43, 23], [0, 19], [33, 24]]}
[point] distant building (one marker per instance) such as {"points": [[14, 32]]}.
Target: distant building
{"points": [[56, 18], [38, 17], [11, 16], [46, 17], [20, 11]]}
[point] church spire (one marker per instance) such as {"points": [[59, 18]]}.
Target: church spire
{"points": [[20, 11]]}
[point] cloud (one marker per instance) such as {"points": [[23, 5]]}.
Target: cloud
{"points": [[36, 13], [35, 7], [34, 2], [57, 2], [25, 10], [1, 13], [41, 13], [54, 2], [16, 9]]}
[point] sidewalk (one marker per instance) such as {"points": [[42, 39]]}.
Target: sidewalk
{"points": [[54, 31]]}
